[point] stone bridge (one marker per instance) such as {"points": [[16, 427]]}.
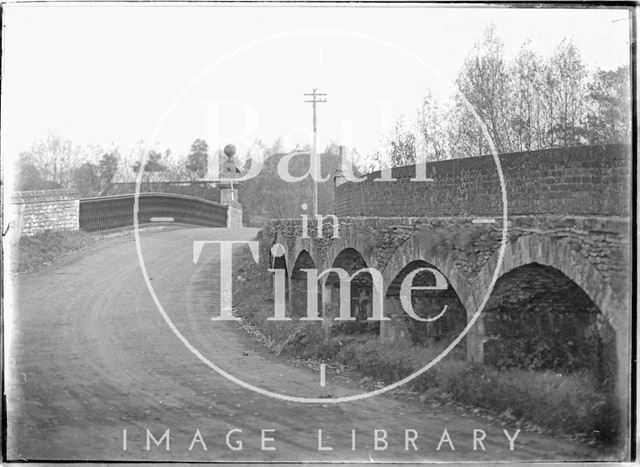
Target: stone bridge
{"points": [[560, 296]]}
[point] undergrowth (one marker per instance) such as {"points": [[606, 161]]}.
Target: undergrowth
{"points": [[573, 403]]}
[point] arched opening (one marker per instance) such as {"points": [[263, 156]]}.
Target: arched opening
{"points": [[537, 318], [444, 325], [298, 285], [361, 293]]}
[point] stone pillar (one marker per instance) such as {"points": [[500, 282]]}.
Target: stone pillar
{"points": [[339, 177], [330, 307], [476, 337], [229, 195], [297, 297], [396, 329], [618, 313], [229, 190], [234, 216]]}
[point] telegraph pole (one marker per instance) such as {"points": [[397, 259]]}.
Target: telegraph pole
{"points": [[316, 98]]}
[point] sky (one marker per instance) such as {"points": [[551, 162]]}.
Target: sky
{"points": [[115, 75]]}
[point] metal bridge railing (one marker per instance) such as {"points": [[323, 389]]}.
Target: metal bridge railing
{"points": [[112, 212]]}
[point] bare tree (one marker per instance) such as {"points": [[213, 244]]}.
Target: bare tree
{"points": [[464, 134], [484, 82], [371, 162], [526, 123], [401, 144], [564, 96], [431, 124], [56, 158]]}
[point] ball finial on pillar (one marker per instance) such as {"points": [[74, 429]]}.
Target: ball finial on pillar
{"points": [[230, 150], [229, 193]]}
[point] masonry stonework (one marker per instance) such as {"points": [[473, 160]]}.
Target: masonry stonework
{"points": [[32, 212], [555, 181], [567, 234]]}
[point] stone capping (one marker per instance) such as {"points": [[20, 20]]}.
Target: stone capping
{"points": [[43, 196], [98, 199]]}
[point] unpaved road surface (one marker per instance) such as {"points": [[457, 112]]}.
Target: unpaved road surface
{"points": [[90, 356]]}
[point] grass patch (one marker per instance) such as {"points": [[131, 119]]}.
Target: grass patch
{"points": [[573, 403], [32, 252]]}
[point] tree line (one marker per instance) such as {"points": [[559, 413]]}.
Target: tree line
{"points": [[55, 162], [527, 103]]}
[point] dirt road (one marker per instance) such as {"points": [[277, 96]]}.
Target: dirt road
{"points": [[89, 356]]}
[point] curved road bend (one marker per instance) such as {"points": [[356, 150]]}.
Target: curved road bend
{"points": [[89, 356]]}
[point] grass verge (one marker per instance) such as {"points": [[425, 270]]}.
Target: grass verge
{"points": [[30, 253]]}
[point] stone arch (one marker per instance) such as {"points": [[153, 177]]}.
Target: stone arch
{"points": [[538, 318], [447, 322], [349, 255], [559, 255], [363, 293], [419, 250], [280, 238], [349, 241], [307, 246]]}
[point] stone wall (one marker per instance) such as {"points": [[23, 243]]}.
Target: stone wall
{"points": [[32, 212], [592, 252], [561, 299], [603, 242], [585, 180], [234, 216]]}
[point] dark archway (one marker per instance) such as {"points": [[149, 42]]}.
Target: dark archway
{"points": [[537, 318], [361, 293], [429, 304]]}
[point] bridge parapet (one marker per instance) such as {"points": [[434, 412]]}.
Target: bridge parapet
{"points": [[583, 180], [112, 212]]}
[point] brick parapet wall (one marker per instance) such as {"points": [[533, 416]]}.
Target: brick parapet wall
{"points": [[32, 212], [585, 180]]}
